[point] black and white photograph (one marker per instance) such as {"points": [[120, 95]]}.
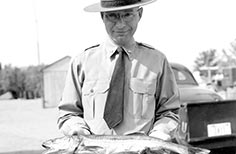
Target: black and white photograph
{"points": [[117, 77]]}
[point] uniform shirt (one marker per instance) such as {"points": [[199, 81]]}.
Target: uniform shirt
{"points": [[150, 92]]}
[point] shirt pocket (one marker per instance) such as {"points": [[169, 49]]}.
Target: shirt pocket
{"points": [[101, 91], [88, 100], [94, 98], [142, 97]]}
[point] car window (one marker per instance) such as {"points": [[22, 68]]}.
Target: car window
{"points": [[183, 76]]}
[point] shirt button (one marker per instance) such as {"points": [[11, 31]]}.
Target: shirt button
{"points": [[91, 90]]}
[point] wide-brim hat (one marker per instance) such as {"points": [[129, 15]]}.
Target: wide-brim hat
{"points": [[115, 5]]}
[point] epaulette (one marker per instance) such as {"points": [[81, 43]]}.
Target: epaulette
{"points": [[146, 45], [92, 47]]}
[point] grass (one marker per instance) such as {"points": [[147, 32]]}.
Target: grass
{"points": [[25, 125]]}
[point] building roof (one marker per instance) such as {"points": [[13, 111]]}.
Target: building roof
{"points": [[59, 65]]}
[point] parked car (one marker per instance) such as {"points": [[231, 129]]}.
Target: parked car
{"points": [[190, 91]]}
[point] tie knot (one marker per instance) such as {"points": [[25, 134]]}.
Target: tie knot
{"points": [[120, 50]]}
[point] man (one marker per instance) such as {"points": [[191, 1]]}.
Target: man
{"points": [[147, 93]]}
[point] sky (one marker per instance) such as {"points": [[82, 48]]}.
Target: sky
{"points": [[36, 32]]}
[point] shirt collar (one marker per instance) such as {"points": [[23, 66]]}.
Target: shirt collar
{"points": [[110, 48]]}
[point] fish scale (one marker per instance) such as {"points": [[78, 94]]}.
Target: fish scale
{"points": [[109, 144], [134, 143]]}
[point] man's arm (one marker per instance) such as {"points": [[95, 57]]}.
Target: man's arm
{"points": [[70, 119], [167, 105]]}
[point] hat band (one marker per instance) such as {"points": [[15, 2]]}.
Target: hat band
{"points": [[117, 3]]}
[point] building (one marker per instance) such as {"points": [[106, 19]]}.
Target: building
{"points": [[53, 81]]}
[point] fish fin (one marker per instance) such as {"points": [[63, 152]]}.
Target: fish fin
{"points": [[92, 148], [46, 144], [196, 150], [137, 133], [155, 151]]}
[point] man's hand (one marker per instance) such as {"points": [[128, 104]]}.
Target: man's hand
{"points": [[70, 128], [164, 130], [160, 135]]}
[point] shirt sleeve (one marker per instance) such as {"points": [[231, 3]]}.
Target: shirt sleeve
{"points": [[70, 106], [167, 101]]}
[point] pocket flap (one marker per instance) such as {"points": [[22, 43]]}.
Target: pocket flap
{"points": [[142, 86], [102, 87], [95, 87], [88, 87]]}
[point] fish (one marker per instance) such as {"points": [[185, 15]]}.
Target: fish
{"points": [[110, 144]]}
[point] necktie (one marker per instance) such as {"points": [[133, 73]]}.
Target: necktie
{"points": [[113, 113]]}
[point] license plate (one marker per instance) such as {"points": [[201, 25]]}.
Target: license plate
{"points": [[219, 129]]}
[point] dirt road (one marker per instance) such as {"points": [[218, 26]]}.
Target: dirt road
{"points": [[24, 125]]}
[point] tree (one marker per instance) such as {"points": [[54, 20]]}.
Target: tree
{"points": [[230, 55], [9, 80], [1, 80], [206, 58], [33, 82], [233, 46], [22, 82]]}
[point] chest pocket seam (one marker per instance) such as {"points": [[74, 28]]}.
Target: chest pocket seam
{"points": [[143, 106], [93, 96], [95, 87], [142, 86], [87, 88], [88, 99], [102, 86]]}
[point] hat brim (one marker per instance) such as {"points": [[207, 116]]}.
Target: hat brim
{"points": [[98, 8]]}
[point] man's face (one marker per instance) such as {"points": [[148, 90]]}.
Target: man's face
{"points": [[121, 25]]}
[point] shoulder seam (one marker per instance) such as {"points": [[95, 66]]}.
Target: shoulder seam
{"points": [[145, 45], [92, 47]]}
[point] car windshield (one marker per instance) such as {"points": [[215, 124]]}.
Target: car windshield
{"points": [[184, 77]]}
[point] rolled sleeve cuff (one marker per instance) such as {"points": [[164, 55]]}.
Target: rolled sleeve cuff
{"points": [[165, 125], [73, 120]]}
